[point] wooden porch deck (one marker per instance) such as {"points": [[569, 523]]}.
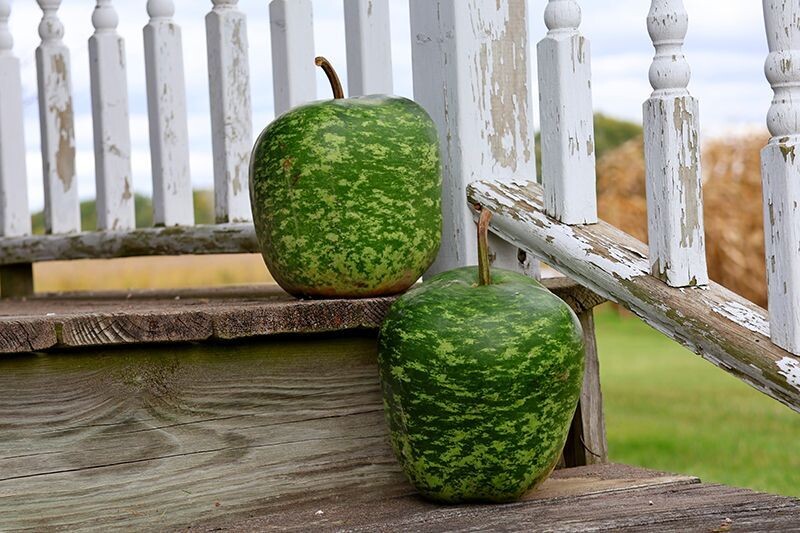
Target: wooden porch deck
{"points": [[280, 432], [589, 498]]}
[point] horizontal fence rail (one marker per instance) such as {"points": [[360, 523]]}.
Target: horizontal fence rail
{"points": [[720, 326], [174, 240]]}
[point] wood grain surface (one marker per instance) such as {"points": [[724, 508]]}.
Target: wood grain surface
{"points": [[592, 498], [263, 436], [114, 318], [159, 438]]}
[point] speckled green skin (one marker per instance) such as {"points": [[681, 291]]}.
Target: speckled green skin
{"points": [[346, 196], [480, 384]]}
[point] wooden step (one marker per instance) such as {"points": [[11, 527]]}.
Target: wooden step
{"points": [[170, 435], [80, 320], [590, 498]]}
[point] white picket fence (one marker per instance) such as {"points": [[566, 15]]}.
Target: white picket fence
{"points": [[470, 67]]}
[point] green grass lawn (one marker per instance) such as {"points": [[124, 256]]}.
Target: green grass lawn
{"points": [[668, 409]]}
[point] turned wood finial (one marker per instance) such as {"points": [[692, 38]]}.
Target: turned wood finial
{"points": [[667, 24], [160, 9], [50, 28], [104, 17], [6, 40], [562, 16], [782, 67]]}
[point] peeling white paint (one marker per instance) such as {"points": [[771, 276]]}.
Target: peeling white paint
{"points": [[112, 137], [672, 155], [15, 218], [614, 265], [470, 61], [751, 319], [56, 122], [231, 122], [790, 368], [567, 121], [781, 173], [166, 105], [614, 259]]}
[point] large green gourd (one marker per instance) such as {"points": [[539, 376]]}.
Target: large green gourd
{"points": [[480, 383], [346, 196]]}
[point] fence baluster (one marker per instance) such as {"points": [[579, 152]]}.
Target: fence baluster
{"points": [[231, 121], [112, 136], [166, 104], [293, 70], [61, 210], [369, 52], [672, 155], [15, 218], [470, 60], [781, 173], [567, 122]]}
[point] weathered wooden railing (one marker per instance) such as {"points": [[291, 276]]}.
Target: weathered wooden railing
{"points": [[667, 284], [470, 73]]}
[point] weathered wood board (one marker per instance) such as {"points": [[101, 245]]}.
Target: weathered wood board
{"points": [[265, 436], [84, 319], [598, 498], [712, 321], [159, 437]]}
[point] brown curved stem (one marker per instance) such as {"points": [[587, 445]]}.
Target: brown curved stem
{"points": [[336, 84], [484, 275]]}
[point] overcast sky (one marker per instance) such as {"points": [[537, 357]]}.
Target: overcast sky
{"points": [[726, 48]]}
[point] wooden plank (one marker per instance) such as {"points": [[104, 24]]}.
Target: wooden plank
{"points": [[369, 47], [231, 113], [586, 442], [566, 115], [652, 505], [15, 217], [294, 79], [166, 106], [101, 319], [485, 130], [112, 135], [715, 323], [780, 172], [56, 122], [178, 240], [672, 155], [156, 439], [176, 316]]}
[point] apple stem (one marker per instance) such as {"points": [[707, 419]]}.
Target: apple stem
{"points": [[484, 275], [336, 84]]}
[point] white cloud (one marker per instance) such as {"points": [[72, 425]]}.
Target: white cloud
{"points": [[726, 48]]}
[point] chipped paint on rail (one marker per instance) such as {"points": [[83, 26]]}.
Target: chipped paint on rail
{"points": [[753, 320]]}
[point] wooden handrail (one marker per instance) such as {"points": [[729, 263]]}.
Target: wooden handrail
{"points": [[720, 326], [177, 240]]}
